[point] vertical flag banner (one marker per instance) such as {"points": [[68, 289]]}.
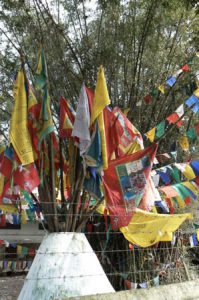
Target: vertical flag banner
{"points": [[125, 182], [82, 121], [41, 83], [19, 134], [100, 101], [67, 118]]}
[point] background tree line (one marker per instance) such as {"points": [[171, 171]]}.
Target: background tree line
{"points": [[140, 44]]}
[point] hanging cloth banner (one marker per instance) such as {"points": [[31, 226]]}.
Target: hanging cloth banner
{"points": [[19, 134], [130, 176], [146, 229]]}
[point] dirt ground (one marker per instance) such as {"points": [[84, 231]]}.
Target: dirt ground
{"points": [[10, 287]]}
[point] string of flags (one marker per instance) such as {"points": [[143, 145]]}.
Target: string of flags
{"points": [[19, 249], [159, 129], [169, 83], [15, 265], [175, 172]]}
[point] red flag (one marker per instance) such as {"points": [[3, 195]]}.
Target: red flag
{"points": [[67, 118], [125, 181], [147, 99], [113, 130], [130, 140], [185, 68], [90, 95], [173, 119], [27, 177], [197, 128]]}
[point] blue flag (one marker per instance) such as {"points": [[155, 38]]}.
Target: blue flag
{"points": [[171, 81], [195, 166], [191, 100]]}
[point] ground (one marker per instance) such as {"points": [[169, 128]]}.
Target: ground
{"points": [[10, 287]]}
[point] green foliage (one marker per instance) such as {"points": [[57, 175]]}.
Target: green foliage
{"points": [[140, 43]]}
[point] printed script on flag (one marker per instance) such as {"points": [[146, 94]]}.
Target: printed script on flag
{"points": [[125, 182]]}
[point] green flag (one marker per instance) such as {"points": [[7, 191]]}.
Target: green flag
{"points": [[160, 129], [191, 133]]}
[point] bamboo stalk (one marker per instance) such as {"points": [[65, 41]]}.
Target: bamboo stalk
{"points": [[52, 181]]}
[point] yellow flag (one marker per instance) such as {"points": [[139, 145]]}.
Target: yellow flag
{"points": [[101, 96], [103, 140], [161, 88], [196, 92], [189, 173], [19, 135], [184, 143], [151, 134], [191, 186], [180, 202], [19, 249], [146, 229], [1, 183], [7, 208], [197, 233]]}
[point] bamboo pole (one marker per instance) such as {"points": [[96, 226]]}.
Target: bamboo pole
{"points": [[52, 182]]}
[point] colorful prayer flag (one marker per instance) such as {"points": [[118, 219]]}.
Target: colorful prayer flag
{"points": [[130, 176], [41, 83], [171, 81], [101, 96], [151, 134], [161, 88], [101, 100], [67, 118], [184, 143], [160, 129], [19, 134]]}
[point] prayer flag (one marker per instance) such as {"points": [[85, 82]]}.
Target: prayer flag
{"points": [[191, 133], [195, 166], [196, 126], [151, 134], [171, 81], [184, 143], [114, 132], [160, 129], [185, 68], [82, 122], [173, 118], [130, 139], [161, 88], [93, 155], [67, 118], [27, 177], [41, 83], [164, 175], [146, 229], [19, 134], [130, 176], [147, 99], [101, 100], [193, 240], [195, 109], [191, 100], [101, 96], [196, 92]]}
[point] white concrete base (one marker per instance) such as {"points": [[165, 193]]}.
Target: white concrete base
{"points": [[64, 266]]}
